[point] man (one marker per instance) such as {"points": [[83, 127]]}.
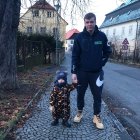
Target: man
{"points": [[90, 53]]}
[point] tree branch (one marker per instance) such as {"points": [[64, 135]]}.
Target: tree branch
{"points": [[2, 10]]}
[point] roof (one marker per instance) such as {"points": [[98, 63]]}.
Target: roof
{"points": [[127, 3], [126, 12], [42, 4], [70, 33]]}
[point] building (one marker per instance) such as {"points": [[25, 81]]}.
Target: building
{"points": [[70, 35], [122, 26], [42, 18]]}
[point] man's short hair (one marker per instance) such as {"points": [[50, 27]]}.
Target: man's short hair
{"points": [[89, 16]]}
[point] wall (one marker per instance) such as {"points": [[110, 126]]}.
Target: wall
{"points": [[27, 20], [118, 37]]}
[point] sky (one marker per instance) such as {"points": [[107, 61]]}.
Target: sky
{"points": [[99, 7]]}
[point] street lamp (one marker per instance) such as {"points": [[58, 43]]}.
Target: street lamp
{"points": [[57, 7]]}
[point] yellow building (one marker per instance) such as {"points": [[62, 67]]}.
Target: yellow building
{"points": [[41, 18]]}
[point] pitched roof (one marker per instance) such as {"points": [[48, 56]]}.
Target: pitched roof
{"points": [[126, 12], [127, 3], [70, 33], [42, 4]]}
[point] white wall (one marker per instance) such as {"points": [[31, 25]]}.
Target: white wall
{"points": [[27, 20], [69, 44], [119, 36]]}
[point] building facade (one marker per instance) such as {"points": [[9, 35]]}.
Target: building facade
{"points": [[42, 18], [70, 35], [122, 26]]}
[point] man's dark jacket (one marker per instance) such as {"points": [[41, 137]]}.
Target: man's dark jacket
{"points": [[90, 52]]}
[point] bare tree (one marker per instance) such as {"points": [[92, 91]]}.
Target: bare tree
{"points": [[9, 20], [74, 8], [70, 8]]}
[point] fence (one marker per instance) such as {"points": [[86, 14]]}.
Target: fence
{"points": [[60, 56], [126, 56], [33, 53]]}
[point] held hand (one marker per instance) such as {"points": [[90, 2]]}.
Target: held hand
{"points": [[51, 108], [74, 78]]}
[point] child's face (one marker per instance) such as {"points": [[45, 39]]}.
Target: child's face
{"points": [[61, 81]]}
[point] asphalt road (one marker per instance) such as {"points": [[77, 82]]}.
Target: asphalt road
{"points": [[122, 88]]}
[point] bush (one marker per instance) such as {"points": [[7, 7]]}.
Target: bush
{"points": [[45, 38]]}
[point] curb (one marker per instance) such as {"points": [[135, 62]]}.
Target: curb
{"points": [[137, 65], [122, 131], [19, 115], [22, 112]]}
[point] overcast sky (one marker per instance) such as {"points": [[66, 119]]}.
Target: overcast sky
{"points": [[99, 7]]}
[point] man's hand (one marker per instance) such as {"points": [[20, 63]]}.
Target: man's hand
{"points": [[74, 78]]}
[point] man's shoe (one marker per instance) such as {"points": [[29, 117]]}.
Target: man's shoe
{"points": [[98, 122], [78, 117], [66, 124], [54, 122]]}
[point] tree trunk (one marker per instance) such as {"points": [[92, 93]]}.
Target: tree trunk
{"points": [[9, 20]]}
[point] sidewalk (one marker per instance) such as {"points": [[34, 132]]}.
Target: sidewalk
{"points": [[38, 126]]}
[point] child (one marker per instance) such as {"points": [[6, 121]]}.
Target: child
{"points": [[60, 99]]}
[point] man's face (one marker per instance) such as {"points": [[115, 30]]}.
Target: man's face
{"points": [[90, 24]]}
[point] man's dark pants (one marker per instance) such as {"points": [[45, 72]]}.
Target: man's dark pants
{"points": [[85, 79]]}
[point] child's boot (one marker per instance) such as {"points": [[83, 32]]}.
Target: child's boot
{"points": [[66, 123], [54, 122]]}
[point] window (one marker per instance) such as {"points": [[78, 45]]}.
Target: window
{"points": [[129, 12], [37, 30], [55, 31], [123, 30], [42, 30], [53, 14], [36, 13], [111, 19], [114, 31], [29, 29], [130, 29], [72, 41], [48, 14]]}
